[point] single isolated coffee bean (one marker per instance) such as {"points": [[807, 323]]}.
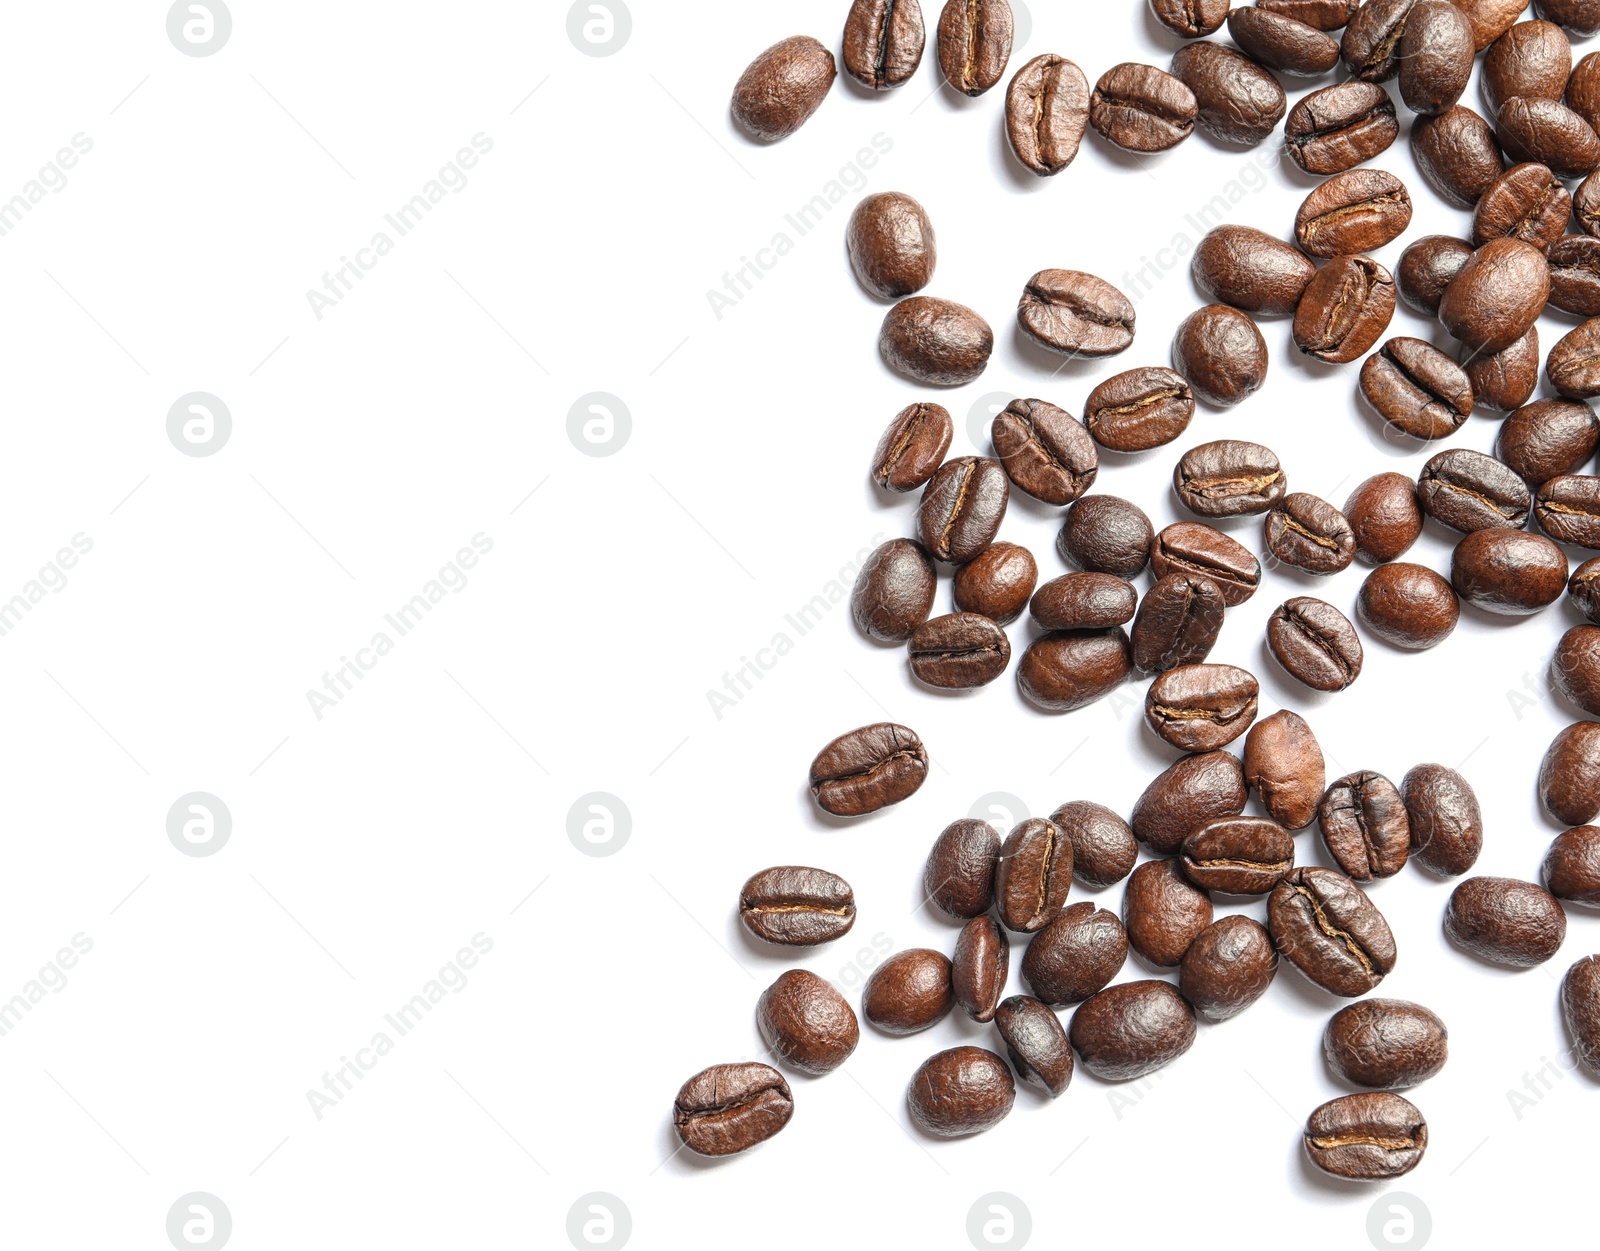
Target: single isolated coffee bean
{"points": [[1283, 765], [1490, 18], [1371, 44], [1436, 56], [1575, 275], [1076, 955], [868, 769], [1497, 296], [1067, 669], [1103, 847], [1238, 855], [1580, 17], [962, 508], [1345, 309], [796, 906], [1047, 111], [1527, 202], [1550, 133], [1384, 513], [782, 88], [1457, 153], [894, 591], [1221, 353], [1140, 409], [1568, 509], [1569, 777], [883, 42], [1364, 826], [935, 341], [1339, 127], [1575, 671], [1583, 589], [1032, 875], [958, 877], [1163, 912], [913, 447], [1075, 314], [1504, 380], [1417, 389], [1227, 968], [1469, 491], [1315, 643], [1310, 534], [1510, 572], [1359, 210], [1408, 606], [1229, 478], [1084, 601], [997, 583], [959, 651], [1531, 59], [729, 1108], [1045, 450], [1237, 100], [1036, 1043], [909, 992], [1426, 268], [1251, 270], [1366, 1137], [1283, 43], [1106, 534], [1318, 14], [891, 245], [1573, 366], [1387, 1044], [1580, 1009], [964, 1090], [1192, 19], [806, 1023], [1505, 921], [1446, 824], [1132, 1029], [974, 43], [1188, 794], [1571, 868], [978, 969], [1142, 109], [1178, 623], [1324, 925], [1200, 550], [1201, 707]]}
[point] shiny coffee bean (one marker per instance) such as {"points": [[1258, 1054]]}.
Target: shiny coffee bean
{"points": [[959, 651], [891, 245], [1229, 478], [1550, 133], [1510, 572], [962, 508], [1185, 796], [1531, 59], [1386, 1044], [1199, 550], [1076, 955], [1106, 534], [1580, 17], [1580, 1010], [1075, 314], [1283, 43], [1384, 513], [1457, 153], [806, 1023], [1236, 100], [1178, 623], [964, 1090], [1142, 109], [1221, 353], [909, 992], [1568, 509], [1047, 111], [1045, 450], [1140, 409], [935, 341], [1426, 268], [1324, 925], [729, 1108], [1446, 824], [1436, 57], [1339, 127], [1201, 707], [1583, 89], [1032, 875], [894, 591], [1408, 606], [1586, 205], [1575, 671], [1497, 296], [796, 906], [1251, 270], [1036, 1043], [1066, 670], [1132, 1029], [974, 43], [913, 447], [1417, 389], [1192, 19], [1527, 202], [883, 41], [1366, 1137], [1318, 14], [1103, 847], [1571, 867], [782, 88], [1310, 534], [1583, 589], [1364, 826], [979, 967], [1569, 777], [958, 877], [1283, 765], [997, 583], [1575, 275], [1505, 921], [868, 769], [1359, 210], [1469, 491], [1573, 365], [1315, 643], [1371, 44], [1490, 18], [1084, 601], [1345, 309], [1227, 968], [1504, 380], [1238, 855], [1163, 912]]}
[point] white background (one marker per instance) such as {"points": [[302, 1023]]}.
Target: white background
{"points": [[370, 844]]}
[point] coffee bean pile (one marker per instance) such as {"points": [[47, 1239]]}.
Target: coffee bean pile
{"points": [[1098, 632]]}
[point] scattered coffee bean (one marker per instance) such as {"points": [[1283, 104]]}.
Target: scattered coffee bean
{"points": [[1436, 54], [806, 1023], [974, 43], [1580, 17], [1132, 1029], [782, 88], [1032, 875], [1505, 921], [1526, 202], [1583, 589], [909, 992], [978, 969], [1586, 205], [1575, 671], [1469, 491], [1319, 14], [962, 508], [1504, 380], [894, 591], [1408, 606], [1324, 925], [1568, 509], [958, 877], [868, 769], [729, 1108], [1446, 825], [1310, 534], [1359, 210], [997, 583], [964, 1090], [1550, 133], [1221, 353], [883, 42], [1580, 1009], [1076, 955], [1192, 19], [1142, 109], [1227, 968], [1426, 268], [1075, 314], [1067, 670], [1417, 389], [1106, 534], [1036, 1043], [1283, 765], [1251, 270], [1201, 707], [1200, 550], [1490, 18], [1364, 826], [1457, 153], [959, 651], [1339, 127], [1185, 796], [1371, 45], [1084, 601], [1384, 513], [796, 906], [1573, 366], [1140, 409], [1238, 855], [1387, 1044], [1509, 572], [1045, 450], [1497, 296], [1572, 866], [1531, 59], [891, 245], [1178, 623], [1583, 89], [1575, 275], [1315, 643], [1103, 847], [913, 447], [935, 341], [1163, 911], [1345, 309], [1283, 43], [1366, 1137], [1569, 777], [1237, 100], [1229, 478], [1047, 111]]}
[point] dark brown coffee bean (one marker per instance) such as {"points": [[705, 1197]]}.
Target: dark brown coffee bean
{"points": [[1132, 1029], [891, 245], [1505, 921], [1339, 127], [1032, 875], [958, 878], [1581, 17], [1371, 44], [1469, 491], [1163, 912], [1583, 88], [1345, 309], [1200, 550], [1140, 409], [1075, 313], [964, 1090], [729, 1108], [1192, 19], [1238, 855], [1548, 438], [1315, 643], [796, 906], [1084, 601], [1364, 826], [1550, 133], [894, 591], [1583, 589], [1283, 43], [1366, 1137], [1572, 866], [883, 42], [1251, 270], [962, 508], [1178, 623], [1310, 534], [979, 968], [1426, 268], [782, 88], [1527, 203], [1142, 109], [909, 992], [1408, 606], [806, 1023], [1580, 1009], [997, 583], [1047, 111], [1384, 513], [959, 651], [1324, 925], [1568, 509], [1229, 478], [1103, 847], [1575, 275], [868, 769], [1531, 59], [1387, 1044], [1490, 18], [913, 447], [1189, 793], [1221, 353], [1457, 153], [1446, 824], [1076, 955], [1067, 669], [1417, 389], [1036, 1043], [935, 341], [1357, 211], [1436, 55], [1504, 380], [1497, 296], [1318, 14], [1045, 450], [1237, 100], [1201, 707], [1106, 534], [1509, 572], [1283, 765], [1573, 366], [974, 43], [1575, 671], [1569, 777], [1227, 968]]}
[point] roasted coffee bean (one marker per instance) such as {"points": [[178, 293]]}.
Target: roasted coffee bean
{"points": [[964, 1090], [1032, 875], [962, 508], [935, 341], [1575, 275], [1106, 534], [1132, 1029], [1140, 409], [1283, 43], [958, 878], [1504, 380], [1581, 17], [1047, 111], [1580, 1009], [883, 42], [1426, 268], [894, 591], [1583, 589], [1586, 205], [1221, 353], [959, 651], [1497, 296], [1310, 534], [806, 1023], [1572, 866], [1251, 270], [1066, 670], [1045, 450], [909, 992], [1573, 366], [1142, 109], [1387, 1044], [1384, 513], [1550, 133], [1575, 672], [1417, 389], [1356, 211], [1490, 18], [1229, 478], [868, 769], [1227, 968], [729, 1108], [1371, 44], [1364, 826], [1178, 623], [1583, 88], [1192, 19], [891, 245], [1339, 127], [1075, 314], [1201, 707], [1457, 153], [1446, 825], [1103, 847], [1315, 643], [997, 583], [1569, 777], [913, 447], [1345, 309], [974, 43], [1469, 491], [1408, 606], [1185, 796], [1568, 509], [1238, 855], [1036, 1043], [1283, 765], [796, 906], [1319, 14], [1237, 100], [1366, 1137], [1510, 572], [1084, 601], [1505, 921], [782, 88], [1163, 911], [1194, 548], [1076, 955], [979, 967], [1324, 925], [1526, 202], [1531, 59], [1436, 55]]}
